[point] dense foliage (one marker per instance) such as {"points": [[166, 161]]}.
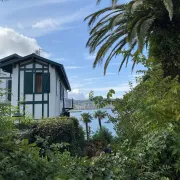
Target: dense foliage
{"points": [[104, 135], [148, 126], [57, 130], [147, 147]]}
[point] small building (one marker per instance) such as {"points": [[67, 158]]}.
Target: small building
{"points": [[37, 86]]}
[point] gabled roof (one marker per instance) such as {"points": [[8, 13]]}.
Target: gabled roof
{"points": [[9, 58], [8, 62]]}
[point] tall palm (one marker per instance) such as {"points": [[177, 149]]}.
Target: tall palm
{"points": [[86, 118], [100, 115], [127, 28]]}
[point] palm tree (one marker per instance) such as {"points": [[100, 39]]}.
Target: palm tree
{"points": [[100, 115], [86, 118], [129, 28]]}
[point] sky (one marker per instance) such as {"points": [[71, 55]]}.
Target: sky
{"points": [[58, 27]]}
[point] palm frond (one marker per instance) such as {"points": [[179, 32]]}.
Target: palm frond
{"points": [[127, 28], [169, 6], [133, 27], [116, 20], [106, 47], [133, 33], [112, 1], [114, 52], [95, 15], [127, 55], [135, 5], [145, 27]]}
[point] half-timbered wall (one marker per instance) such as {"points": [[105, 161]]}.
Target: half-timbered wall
{"points": [[47, 103], [34, 103]]}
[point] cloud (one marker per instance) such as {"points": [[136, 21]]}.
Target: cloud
{"points": [[130, 62], [46, 23], [48, 2], [33, 4], [76, 85], [43, 18], [110, 73], [74, 77], [120, 88], [74, 67], [88, 56], [61, 22], [76, 94], [20, 26], [59, 60], [91, 79], [13, 42], [135, 75]]}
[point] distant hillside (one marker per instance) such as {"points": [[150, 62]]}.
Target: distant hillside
{"points": [[86, 104]]}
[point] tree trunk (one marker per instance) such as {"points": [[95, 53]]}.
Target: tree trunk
{"points": [[100, 123], [87, 131]]}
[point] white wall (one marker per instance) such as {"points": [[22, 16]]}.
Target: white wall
{"points": [[52, 94], [58, 111], [56, 104], [3, 84], [14, 97], [65, 96]]}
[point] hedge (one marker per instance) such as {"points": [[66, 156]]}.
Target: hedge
{"points": [[57, 130]]}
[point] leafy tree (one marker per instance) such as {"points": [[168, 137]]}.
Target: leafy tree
{"points": [[128, 28], [99, 101], [100, 115], [103, 134], [86, 118]]}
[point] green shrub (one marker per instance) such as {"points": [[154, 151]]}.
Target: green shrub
{"points": [[23, 161], [104, 135], [58, 130]]}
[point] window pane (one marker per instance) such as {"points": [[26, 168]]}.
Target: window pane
{"points": [[61, 91], [9, 89], [39, 82], [28, 82]]}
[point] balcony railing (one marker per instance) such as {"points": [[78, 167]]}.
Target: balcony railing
{"points": [[67, 104]]}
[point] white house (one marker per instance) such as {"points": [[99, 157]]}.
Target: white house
{"points": [[37, 86]]}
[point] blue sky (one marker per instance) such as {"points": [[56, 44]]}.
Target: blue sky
{"points": [[57, 26]]}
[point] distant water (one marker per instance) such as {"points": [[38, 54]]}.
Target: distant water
{"points": [[94, 124]]}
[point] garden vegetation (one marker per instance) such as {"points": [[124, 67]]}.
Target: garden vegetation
{"points": [[146, 119]]}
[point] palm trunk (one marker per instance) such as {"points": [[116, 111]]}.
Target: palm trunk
{"points": [[87, 131], [100, 123]]}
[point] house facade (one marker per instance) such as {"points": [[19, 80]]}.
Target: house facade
{"points": [[38, 87]]}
